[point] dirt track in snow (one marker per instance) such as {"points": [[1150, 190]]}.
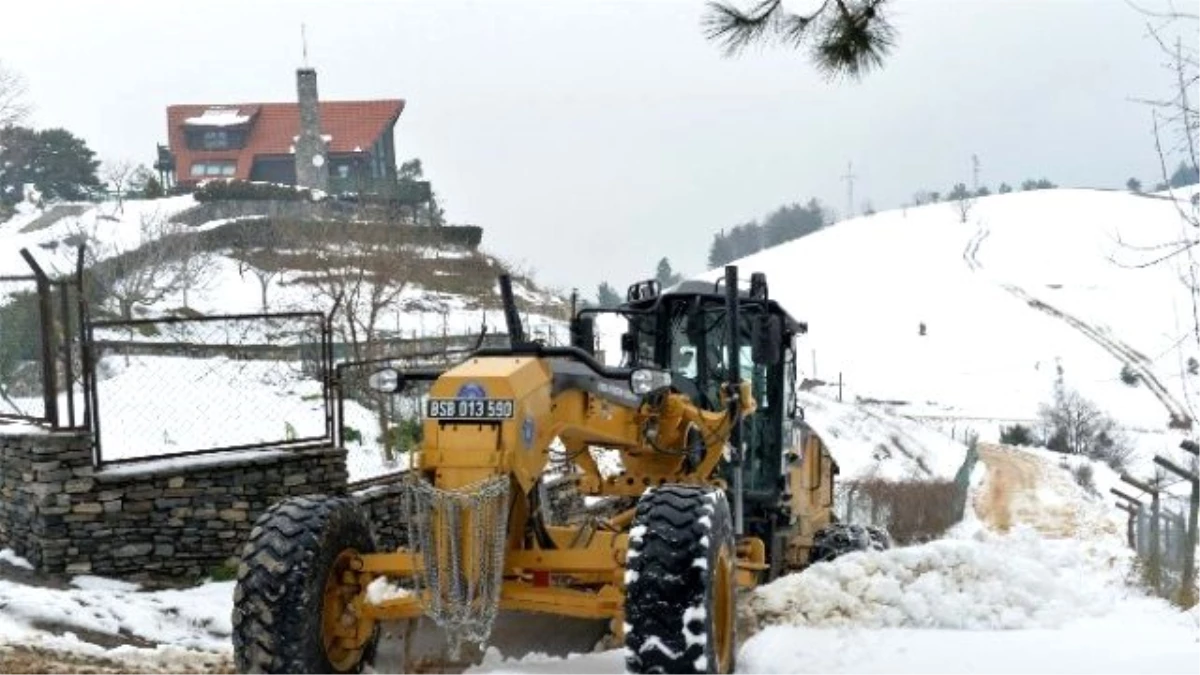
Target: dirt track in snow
{"points": [[22, 659], [1021, 488]]}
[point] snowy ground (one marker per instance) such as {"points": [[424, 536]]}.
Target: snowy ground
{"points": [[1051, 594]]}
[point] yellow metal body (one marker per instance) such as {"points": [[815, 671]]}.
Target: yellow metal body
{"points": [[583, 575]]}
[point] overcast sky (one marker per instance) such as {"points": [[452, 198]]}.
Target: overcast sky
{"points": [[590, 138]]}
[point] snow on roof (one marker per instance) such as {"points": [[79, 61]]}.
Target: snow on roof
{"points": [[218, 117]]}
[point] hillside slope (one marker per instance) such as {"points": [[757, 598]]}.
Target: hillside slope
{"points": [[1031, 281]]}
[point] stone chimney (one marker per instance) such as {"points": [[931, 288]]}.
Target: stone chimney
{"points": [[312, 166]]}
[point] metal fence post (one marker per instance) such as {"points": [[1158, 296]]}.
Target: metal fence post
{"points": [[46, 313]]}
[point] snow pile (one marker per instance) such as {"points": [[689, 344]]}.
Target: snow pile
{"points": [[868, 442], [986, 581], [383, 589], [195, 618]]}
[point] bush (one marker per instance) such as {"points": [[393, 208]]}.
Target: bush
{"points": [[240, 190], [1193, 366], [1084, 475], [1076, 426], [405, 435], [1017, 434], [1128, 376], [912, 512]]}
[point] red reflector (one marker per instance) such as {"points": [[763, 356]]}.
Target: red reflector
{"points": [[541, 578]]}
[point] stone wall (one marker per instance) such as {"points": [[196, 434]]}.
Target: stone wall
{"points": [[388, 514], [170, 517]]}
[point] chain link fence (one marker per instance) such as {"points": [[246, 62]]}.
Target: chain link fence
{"points": [[176, 386], [41, 370]]}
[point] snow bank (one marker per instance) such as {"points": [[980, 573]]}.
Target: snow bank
{"points": [[194, 618], [869, 442], [984, 582]]}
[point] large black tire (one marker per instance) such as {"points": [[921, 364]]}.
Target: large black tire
{"points": [[838, 539], [681, 589], [278, 601]]}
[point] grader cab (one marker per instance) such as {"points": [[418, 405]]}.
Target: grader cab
{"points": [[725, 485]]}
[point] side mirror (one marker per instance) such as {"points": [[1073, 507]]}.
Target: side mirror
{"points": [[386, 381], [766, 347], [583, 334]]}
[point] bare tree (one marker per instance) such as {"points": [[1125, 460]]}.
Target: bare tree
{"points": [[118, 175], [13, 105], [194, 264], [364, 279], [134, 274], [964, 201]]}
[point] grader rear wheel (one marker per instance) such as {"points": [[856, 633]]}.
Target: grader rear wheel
{"points": [[293, 600], [680, 599]]}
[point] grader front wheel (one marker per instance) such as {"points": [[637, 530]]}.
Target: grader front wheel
{"points": [[292, 608], [680, 607]]}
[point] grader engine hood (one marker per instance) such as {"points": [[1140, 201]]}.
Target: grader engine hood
{"points": [[484, 417]]}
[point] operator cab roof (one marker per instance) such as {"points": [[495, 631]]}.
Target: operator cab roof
{"points": [[715, 293]]}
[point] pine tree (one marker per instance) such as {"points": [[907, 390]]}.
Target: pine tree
{"points": [[607, 297], [1134, 185], [1005, 188], [153, 189], [665, 275]]}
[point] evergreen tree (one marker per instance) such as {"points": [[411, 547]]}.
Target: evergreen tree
{"points": [[1134, 185], [1184, 175], [983, 191], [665, 275], [721, 250], [1005, 188], [153, 188], [59, 164], [607, 297]]}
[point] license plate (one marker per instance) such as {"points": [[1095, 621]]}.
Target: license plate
{"points": [[470, 409]]}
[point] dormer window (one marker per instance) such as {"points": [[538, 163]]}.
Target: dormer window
{"points": [[216, 139]]}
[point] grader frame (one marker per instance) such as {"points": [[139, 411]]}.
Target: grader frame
{"points": [[696, 535]]}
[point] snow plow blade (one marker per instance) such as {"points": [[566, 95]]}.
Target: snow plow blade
{"points": [[419, 646]]}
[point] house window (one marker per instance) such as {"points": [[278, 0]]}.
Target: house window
{"points": [[213, 169], [343, 171], [216, 139]]}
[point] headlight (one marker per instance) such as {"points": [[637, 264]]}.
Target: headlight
{"points": [[645, 380], [386, 380]]}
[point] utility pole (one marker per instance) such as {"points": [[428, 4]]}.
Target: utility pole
{"points": [[975, 173], [849, 178]]}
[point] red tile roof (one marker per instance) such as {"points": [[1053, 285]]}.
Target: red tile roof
{"points": [[353, 126]]}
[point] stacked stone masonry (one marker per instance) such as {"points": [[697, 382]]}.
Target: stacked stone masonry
{"points": [[164, 518]]}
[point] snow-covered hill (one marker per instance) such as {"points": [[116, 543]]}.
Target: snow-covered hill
{"points": [[1031, 280]]}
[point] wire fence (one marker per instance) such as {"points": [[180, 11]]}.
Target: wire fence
{"points": [[1162, 545], [178, 386], [41, 361]]}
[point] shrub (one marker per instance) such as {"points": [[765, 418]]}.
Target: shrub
{"points": [[1193, 366], [1128, 376], [912, 511], [1017, 434], [1084, 475], [240, 190]]}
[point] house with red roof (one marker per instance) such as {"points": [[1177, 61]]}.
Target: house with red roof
{"points": [[331, 145]]}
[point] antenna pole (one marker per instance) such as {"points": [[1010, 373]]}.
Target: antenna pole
{"points": [[304, 44]]}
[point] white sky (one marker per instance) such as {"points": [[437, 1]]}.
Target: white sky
{"points": [[591, 138]]}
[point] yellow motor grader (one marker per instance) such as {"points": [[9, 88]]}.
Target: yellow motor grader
{"points": [[725, 486]]}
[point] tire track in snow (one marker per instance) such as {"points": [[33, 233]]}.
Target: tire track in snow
{"points": [[1136, 361]]}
